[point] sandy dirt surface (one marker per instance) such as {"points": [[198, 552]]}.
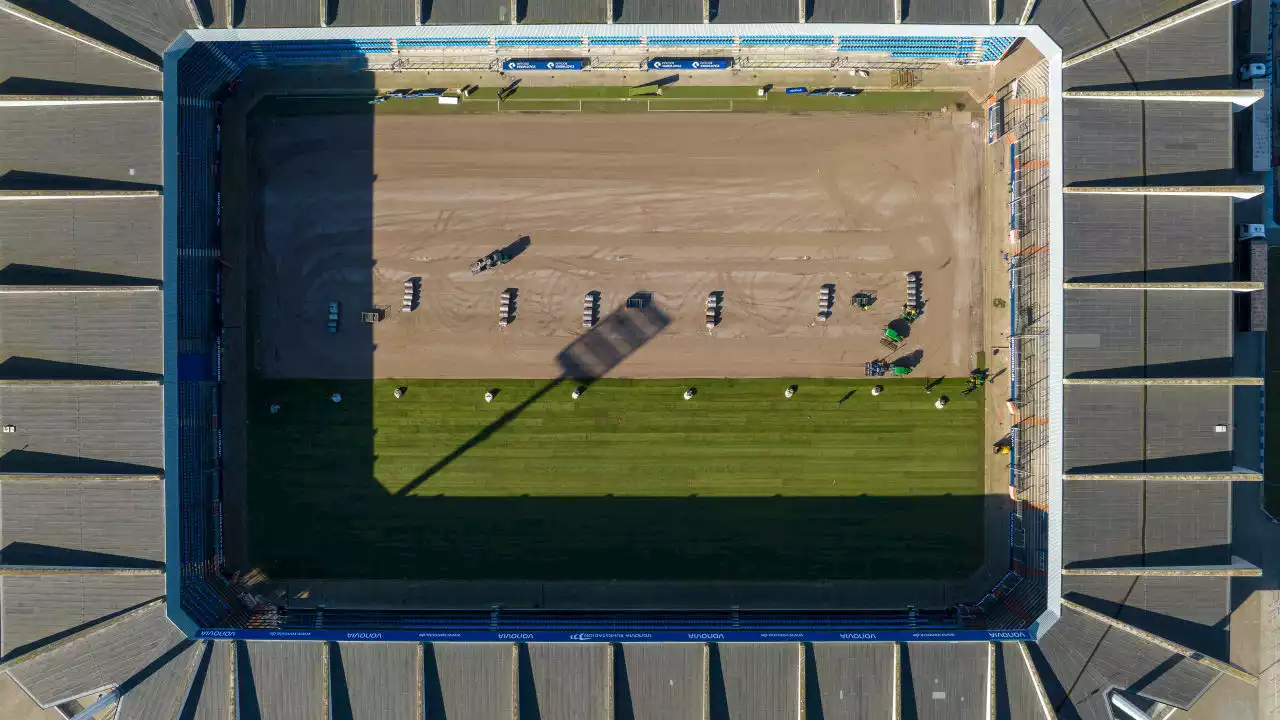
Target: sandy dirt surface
{"points": [[765, 209]]}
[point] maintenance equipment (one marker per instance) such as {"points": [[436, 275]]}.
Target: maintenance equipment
{"points": [[713, 308], [863, 300], [915, 298], [891, 339], [492, 260], [875, 368], [372, 316], [333, 316], [506, 307], [590, 309], [826, 301]]}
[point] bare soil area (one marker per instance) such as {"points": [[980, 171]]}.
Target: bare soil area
{"points": [[766, 209]]}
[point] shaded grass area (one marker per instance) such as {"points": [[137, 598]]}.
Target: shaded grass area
{"points": [[616, 99], [629, 482]]}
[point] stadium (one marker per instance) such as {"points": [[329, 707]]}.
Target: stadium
{"points": [[213, 504]]}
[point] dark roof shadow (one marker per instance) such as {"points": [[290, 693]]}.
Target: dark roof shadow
{"points": [[1207, 82], [341, 696], [1211, 272], [23, 553], [433, 694], [29, 461], [204, 8], [1199, 462], [812, 689], [197, 683], [718, 701], [22, 274], [909, 709], [1205, 367], [1203, 555], [28, 368], [71, 16], [1199, 177], [40, 86], [247, 697], [527, 689], [25, 180]]}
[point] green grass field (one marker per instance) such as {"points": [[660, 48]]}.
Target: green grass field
{"points": [[613, 99], [628, 482]]}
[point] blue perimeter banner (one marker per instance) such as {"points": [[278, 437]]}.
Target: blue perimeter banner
{"points": [[621, 636], [690, 63], [566, 64]]}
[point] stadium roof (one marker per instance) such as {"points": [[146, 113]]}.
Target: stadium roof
{"points": [[81, 603]]}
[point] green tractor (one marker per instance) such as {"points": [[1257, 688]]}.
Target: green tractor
{"points": [[891, 339]]}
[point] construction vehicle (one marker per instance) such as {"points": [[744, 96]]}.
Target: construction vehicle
{"points": [[492, 260]]}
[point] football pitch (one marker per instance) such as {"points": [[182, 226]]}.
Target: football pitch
{"points": [[629, 482]]}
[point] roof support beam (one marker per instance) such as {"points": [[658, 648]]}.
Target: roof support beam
{"points": [[1243, 97], [991, 11], [1240, 192], [1242, 286], [1026, 12], [10, 570], [1147, 30], [77, 289], [195, 15], [896, 713], [74, 383], [991, 681], [897, 12], [1045, 705], [98, 706], [74, 194], [206, 648], [1237, 568], [1207, 381], [1173, 647], [72, 476], [74, 100], [1238, 474], [23, 13]]}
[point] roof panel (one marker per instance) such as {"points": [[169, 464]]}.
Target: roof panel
{"points": [[1195, 54], [34, 60], [45, 607], [376, 681], [72, 522], [469, 681], [73, 242], [157, 692], [657, 11], [1102, 429], [1190, 239], [281, 680], [277, 13], [660, 681], [1188, 333], [564, 680], [1102, 140], [154, 24], [1102, 237], [856, 11], [849, 680], [1191, 611], [754, 680], [99, 659], [945, 681], [81, 429], [1187, 143], [1100, 525], [1076, 25], [115, 336], [754, 11], [566, 11], [947, 12], [1187, 523], [1102, 334], [466, 12], [1147, 669], [1181, 429], [116, 145], [371, 13]]}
